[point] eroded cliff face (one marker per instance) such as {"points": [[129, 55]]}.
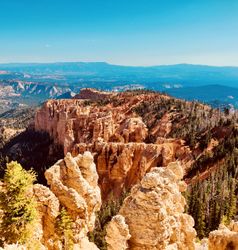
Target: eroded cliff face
{"points": [[121, 165], [70, 122], [114, 133], [154, 213], [72, 185]]}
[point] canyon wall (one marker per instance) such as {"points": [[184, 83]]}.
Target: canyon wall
{"points": [[117, 137], [121, 165]]}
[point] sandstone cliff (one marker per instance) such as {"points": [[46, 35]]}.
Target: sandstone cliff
{"points": [[73, 185], [121, 165], [70, 122], [154, 213], [114, 133]]}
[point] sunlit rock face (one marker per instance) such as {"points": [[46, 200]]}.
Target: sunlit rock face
{"points": [[117, 136], [117, 233], [122, 165], [154, 213], [73, 184], [225, 238], [73, 181]]}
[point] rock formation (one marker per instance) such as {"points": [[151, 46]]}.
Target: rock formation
{"points": [[70, 122], [154, 213], [115, 134], [73, 185], [74, 182], [121, 165], [151, 217], [117, 227], [225, 238], [48, 209]]}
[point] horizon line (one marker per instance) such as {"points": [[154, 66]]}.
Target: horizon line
{"points": [[115, 64]]}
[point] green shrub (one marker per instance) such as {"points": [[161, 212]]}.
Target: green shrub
{"points": [[19, 209]]}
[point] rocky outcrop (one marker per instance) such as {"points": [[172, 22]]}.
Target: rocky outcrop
{"points": [[225, 238], [154, 212], [48, 211], [73, 185], [121, 165], [131, 130], [117, 227], [74, 182], [114, 133]]}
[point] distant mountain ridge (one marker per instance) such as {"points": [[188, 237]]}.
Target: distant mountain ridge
{"points": [[185, 74], [212, 94], [36, 82]]}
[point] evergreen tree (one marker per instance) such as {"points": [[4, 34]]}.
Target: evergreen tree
{"points": [[64, 224], [231, 211], [18, 206]]}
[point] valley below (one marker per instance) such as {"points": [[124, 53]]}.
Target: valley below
{"points": [[28, 85]]}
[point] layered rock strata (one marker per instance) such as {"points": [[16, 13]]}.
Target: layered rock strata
{"points": [[117, 137], [121, 165]]}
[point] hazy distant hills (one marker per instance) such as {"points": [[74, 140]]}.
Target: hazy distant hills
{"points": [[212, 94], [153, 77], [27, 83], [21, 94]]}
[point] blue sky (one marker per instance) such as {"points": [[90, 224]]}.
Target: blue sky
{"points": [[127, 32]]}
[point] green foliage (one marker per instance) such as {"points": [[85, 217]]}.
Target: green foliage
{"points": [[190, 119], [19, 209], [104, 216], [64, 225], [226, 151], [213, 200]]}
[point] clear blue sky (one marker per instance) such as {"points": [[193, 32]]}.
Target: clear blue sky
{"points": [[128, 32]]}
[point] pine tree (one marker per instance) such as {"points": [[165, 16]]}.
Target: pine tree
{"points": [[231, 200], [18, 206], [201, 226], [64, 225]]}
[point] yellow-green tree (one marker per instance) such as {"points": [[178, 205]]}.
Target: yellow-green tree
{"points": [[17, 205], [64, 226]]}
